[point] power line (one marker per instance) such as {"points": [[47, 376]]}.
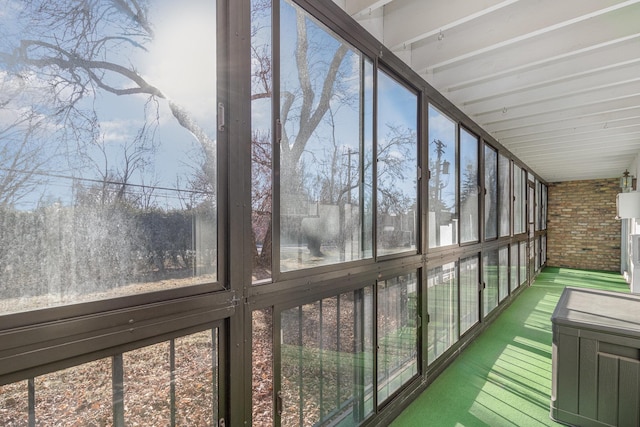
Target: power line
{"points": [[103, 182]]}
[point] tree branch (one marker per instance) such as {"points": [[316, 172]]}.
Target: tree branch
{"points": [[69, 61]]}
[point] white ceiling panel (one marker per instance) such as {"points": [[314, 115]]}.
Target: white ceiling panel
{"points": [[555, 82]]}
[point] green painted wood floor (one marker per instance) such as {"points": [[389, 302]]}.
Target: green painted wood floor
{"points": [[504, 377]]}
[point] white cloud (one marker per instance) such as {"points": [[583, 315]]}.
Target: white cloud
{"points": [[116, 131]]}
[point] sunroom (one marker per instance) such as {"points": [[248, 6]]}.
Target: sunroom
{"points": [[296, 212]]}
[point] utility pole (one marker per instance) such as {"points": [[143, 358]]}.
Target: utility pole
{"points": [[437, 194]]}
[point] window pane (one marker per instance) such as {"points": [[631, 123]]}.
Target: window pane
{"points": [[517, 196], [196, 377], [504, 173], [179, 376], [14, 404], [367, 185], [543, 208], [469, 219], [262, 367], [75, 396], [523, 262], [397, 166], [397, 333], [442, 301], [321, 155], [146, 385], [515, 269], [107, 150], [491, 278], [491, 195], [261, 140], [174, 382], [538, 205], [530, 218], [504, 272], [443, 186], [327, 360], [469, 295], [519, 200]]}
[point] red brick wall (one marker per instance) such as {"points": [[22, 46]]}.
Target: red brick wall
{"points": [[582, 231]]}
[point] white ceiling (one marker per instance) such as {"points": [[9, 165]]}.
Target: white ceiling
{"points": [[557, 82]]}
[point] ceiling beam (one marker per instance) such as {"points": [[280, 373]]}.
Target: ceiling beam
{"points": [[550, 91], [411, 21], [566, 32], [605, 106], [506, 70], [611, 53], [605, 93], [628, 130], [601, 119], [360, 8]]}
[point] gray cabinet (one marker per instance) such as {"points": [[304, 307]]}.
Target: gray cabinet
{"points": [[596, 358]]}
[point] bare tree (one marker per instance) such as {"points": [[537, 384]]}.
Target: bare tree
{"points": [[311, 98], [80, 49], [116, 178], [302, 108], [62, 65], [393, 157], [22, 158], [311, 111], [261, 198]]}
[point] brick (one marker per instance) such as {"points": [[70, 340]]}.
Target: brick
{"points": [[582, 229]]}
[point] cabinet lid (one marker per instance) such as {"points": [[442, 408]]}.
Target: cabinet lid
{"points": [[600, 310]]}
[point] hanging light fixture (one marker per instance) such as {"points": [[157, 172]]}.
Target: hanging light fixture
{"points": [[627, 182]]}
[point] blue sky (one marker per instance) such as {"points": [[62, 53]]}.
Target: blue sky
{"points": [[181, 62]]}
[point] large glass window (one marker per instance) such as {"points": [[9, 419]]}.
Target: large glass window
{"points": [[469, 293], [322, 207], [504, 195], [443, 185], [108, 155], [518, 196], [514, 274], [87, 389], [538, 204], [442, 302], [469, 203], [523, 262], [327, 359], [397, 333], [368, 152], [519, 200], [545, 206], [491, 277], [262, 367], [491, 192], [173, 382], [503, 274], [396, 166], [261, 139]]}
